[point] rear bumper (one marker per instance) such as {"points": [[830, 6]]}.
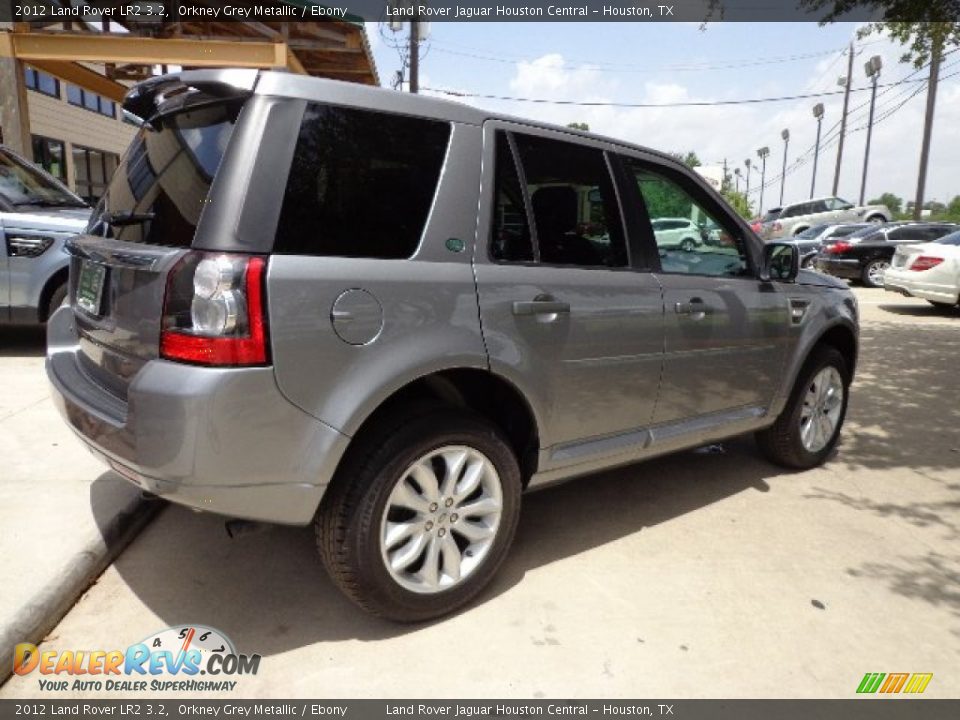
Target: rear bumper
{"points": [[907, 283], [839, 268], [221, 440]]}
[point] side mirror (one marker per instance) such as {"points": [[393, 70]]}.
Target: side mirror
{"points": [[781, 261]]}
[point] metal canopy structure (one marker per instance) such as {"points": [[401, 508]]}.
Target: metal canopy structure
{"points": [[106, 56]]}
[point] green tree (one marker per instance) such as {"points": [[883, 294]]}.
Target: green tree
{"points": [[738, 201], [891, 201], [689, 158], [579, 126], [953, 207]]}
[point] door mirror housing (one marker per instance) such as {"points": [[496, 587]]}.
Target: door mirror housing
{"points": [[781, 262]]}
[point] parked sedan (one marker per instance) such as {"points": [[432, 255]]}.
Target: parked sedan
{"points": [[866, 255], [810, 241], [930, 271]]}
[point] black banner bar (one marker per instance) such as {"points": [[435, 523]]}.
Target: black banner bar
{"points": [[643, 11], [873, 708]]}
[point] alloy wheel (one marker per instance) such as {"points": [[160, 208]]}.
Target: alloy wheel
{"points": [[441, 519], [821, 411]]}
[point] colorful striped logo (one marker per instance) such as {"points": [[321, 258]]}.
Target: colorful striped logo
{"points": [[894, 683]]}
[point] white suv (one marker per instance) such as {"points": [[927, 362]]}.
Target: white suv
{"points": [[794, 219], [673, 233]]}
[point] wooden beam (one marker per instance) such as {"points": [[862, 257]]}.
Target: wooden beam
{"points": [[146, 51], [293, 63], [84, 77]]}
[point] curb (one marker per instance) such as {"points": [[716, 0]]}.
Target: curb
{"points": [[41, 613]]}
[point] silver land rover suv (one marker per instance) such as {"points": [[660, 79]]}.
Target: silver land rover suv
{"points": [[37, 215], [304, 301]]}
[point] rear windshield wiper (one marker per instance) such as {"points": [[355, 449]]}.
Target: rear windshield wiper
{"points": [[126, 218]]}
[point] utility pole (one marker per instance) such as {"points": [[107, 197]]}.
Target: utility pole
{"points": [[818, 114], [415, 51], [747, 191], [843, 120], [762, 153], [873, 72], [785, 134], [935, 53], [724, 182]]}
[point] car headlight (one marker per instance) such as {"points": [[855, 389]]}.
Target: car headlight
{"points": [[29, 246]]}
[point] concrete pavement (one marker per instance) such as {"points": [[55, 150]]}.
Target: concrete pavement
{"points": [[62, 518], [697, 575]]}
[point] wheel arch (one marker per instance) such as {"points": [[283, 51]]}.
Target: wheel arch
{"points": [[60, 277], [485, 393]]}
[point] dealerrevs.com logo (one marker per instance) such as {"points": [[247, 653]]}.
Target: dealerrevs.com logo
{"points": [[186, 658]]}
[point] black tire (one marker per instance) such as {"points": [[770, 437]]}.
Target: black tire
{"points": [[865, 272], [781, 442], [688, 245], [876, 219], [348, 522], [942, 305], [56, 300]]}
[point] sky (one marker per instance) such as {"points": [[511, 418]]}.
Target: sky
{"points": [[681, 62]]}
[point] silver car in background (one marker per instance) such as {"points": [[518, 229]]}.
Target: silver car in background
{"points": [[795, 218], [305, 301], [37, 215]]}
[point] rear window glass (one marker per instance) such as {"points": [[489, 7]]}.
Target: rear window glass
{"points": [[160, 188], [771, 215], [361, 183]]}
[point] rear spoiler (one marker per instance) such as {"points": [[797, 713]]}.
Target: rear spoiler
{"points": [[169, 93]]}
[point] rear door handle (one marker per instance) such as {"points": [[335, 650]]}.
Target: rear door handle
{"points": [[540, 307]]}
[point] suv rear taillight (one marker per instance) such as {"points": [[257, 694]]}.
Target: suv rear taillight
{"points": [[925, 262], [214, 311]]}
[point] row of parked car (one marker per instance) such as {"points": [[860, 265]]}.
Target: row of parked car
{"points": [[917, 259]]}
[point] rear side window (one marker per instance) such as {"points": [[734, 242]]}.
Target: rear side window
{"points": [[573, 204], [361, 183], [160, 188]]}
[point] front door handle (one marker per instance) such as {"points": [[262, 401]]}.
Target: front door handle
{"points": [[540, 306], [695, 307]]}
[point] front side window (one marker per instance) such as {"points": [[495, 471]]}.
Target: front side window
{"points": [[361, 183], [713, 250], [575, 212]]}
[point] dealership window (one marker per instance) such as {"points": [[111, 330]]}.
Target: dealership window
{"points": [[50, 154], [92, 170], [41, 82], [91, 101]]}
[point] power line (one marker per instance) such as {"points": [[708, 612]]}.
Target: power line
{"points": [[634, 68], [690, 103]]}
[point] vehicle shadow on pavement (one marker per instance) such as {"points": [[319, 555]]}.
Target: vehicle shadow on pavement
{"points": [[269, 592], [922, 310], [23, 341]]}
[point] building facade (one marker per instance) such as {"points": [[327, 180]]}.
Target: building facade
{"points": [[76, 135]]}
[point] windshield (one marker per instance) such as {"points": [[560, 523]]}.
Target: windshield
{"points": [[951, 239], [159, 190], [771, 215], [21, 184]]}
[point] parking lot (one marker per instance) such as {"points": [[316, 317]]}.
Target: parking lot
{"points": [[706, 574]]}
